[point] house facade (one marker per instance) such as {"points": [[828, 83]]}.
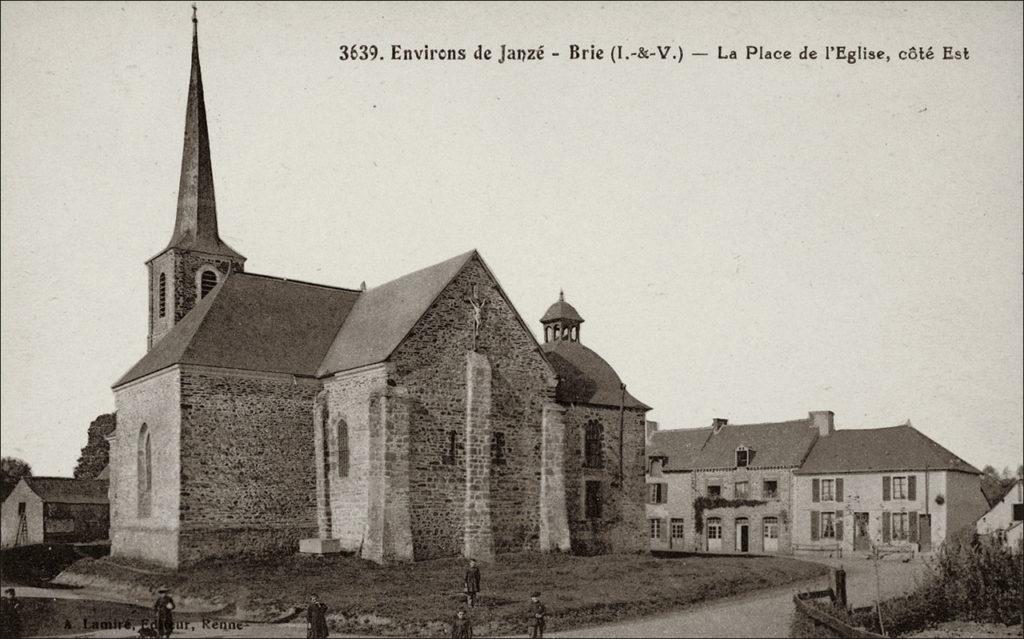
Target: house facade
{"points": [[804, 487], [54, 510], [1006, 517]]}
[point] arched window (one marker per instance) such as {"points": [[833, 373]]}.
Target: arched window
{"points": [[144, 471], [163, 294], [592, 444], [343, 456], [206, 282]]}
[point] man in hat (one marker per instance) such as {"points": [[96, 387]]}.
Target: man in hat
{"points": [[164, 607], [537, 615], [316, 619], [10, 615], [461, 627], [471, 584]]}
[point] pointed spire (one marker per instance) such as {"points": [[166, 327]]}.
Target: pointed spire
{"points": [[195, 226]]}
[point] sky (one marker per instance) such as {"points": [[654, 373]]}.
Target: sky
{"points": [[748, 239]]}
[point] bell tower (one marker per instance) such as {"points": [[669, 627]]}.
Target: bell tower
{"points": [[196, 259], [561, 321]]}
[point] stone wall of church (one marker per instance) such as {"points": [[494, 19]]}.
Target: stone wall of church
{"points": [[348, 413], [247, 468], [180, 269], [621, 525], [431, 365], [152, 536]]}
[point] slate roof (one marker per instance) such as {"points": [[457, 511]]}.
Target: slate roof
{"points": [[679, 446], [384, 315], [253, 322], [584, 377], [773, 445], [880, 450], [66, 490]]}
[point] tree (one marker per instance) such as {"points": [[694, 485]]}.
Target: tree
{"points": [[96, 453], [13, 469]]}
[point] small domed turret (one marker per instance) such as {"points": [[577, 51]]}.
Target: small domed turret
{"points": [[561, 322]]}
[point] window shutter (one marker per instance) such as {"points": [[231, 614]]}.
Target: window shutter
{"points": [[912, 487], [839, 524], [664, 493], [815, 490], [814, 523], [839, 489], [886, 525], [663, 529], [913, 526], [886, 488]]}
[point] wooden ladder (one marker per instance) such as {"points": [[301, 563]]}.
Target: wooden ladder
{"points": [[22, 536]]}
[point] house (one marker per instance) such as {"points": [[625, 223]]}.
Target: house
{"points": [[1006, 517], [55, 510], [726, 488], [416, 419], [670, 485], [891, 488]]}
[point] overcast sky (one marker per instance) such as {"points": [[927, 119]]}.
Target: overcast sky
{"points": [[749, 240]]}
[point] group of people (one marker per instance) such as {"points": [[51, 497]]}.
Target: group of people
{"points": [[462, 626]]}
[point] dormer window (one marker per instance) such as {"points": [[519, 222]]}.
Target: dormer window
{"points": [[742, 456]]}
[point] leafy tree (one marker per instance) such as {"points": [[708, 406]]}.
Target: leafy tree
{"points": [[96, 453], [13, 469]]}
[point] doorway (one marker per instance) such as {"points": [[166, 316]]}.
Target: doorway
{"points": [[771, 534], [742, 535], [861, 540], [924, 533]]}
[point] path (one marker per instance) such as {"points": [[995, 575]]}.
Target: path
{"points": [[764, 613]]}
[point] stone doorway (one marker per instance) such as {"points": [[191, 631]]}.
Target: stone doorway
{"points": [[742, 535]]}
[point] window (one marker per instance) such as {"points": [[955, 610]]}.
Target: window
{"points": [[655, 528], [21, 508], [714, 528], [899, 487], [900, 526], [144, 472], [678, 529], [828, 525], [771, 527], [498, 448], [770, 490], [162, 287], [592, 445], [657, 493], [714, 490], [828, 490], [206, 282], [449, 455], [742, 489], [593, 500], [343, 454], [742, 456]]}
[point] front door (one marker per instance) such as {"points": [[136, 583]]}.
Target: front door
{"points": [[742, 535], [771, 534], [924, 532], [861, 540]]}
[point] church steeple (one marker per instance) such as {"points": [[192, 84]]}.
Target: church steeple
{"points": [[196, 259], [561, 321], [195, 226]]}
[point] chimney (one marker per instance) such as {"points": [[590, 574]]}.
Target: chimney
{"points": [[652, 427], [824, 421], [717, 423]]}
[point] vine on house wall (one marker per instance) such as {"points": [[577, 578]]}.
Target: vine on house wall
{"points": [[701, 504]]}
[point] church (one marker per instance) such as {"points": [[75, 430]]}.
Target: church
{"points": [[412, 420]]}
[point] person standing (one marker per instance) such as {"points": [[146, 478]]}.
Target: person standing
{"points": [[316, 619], [164, 607], [462, 628], [10, 615], [538, 614], [471, 584]]}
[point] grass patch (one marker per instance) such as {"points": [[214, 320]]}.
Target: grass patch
{"points": [[421, 599]]}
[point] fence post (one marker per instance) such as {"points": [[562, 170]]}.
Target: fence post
{"points": [[839, 587]]}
